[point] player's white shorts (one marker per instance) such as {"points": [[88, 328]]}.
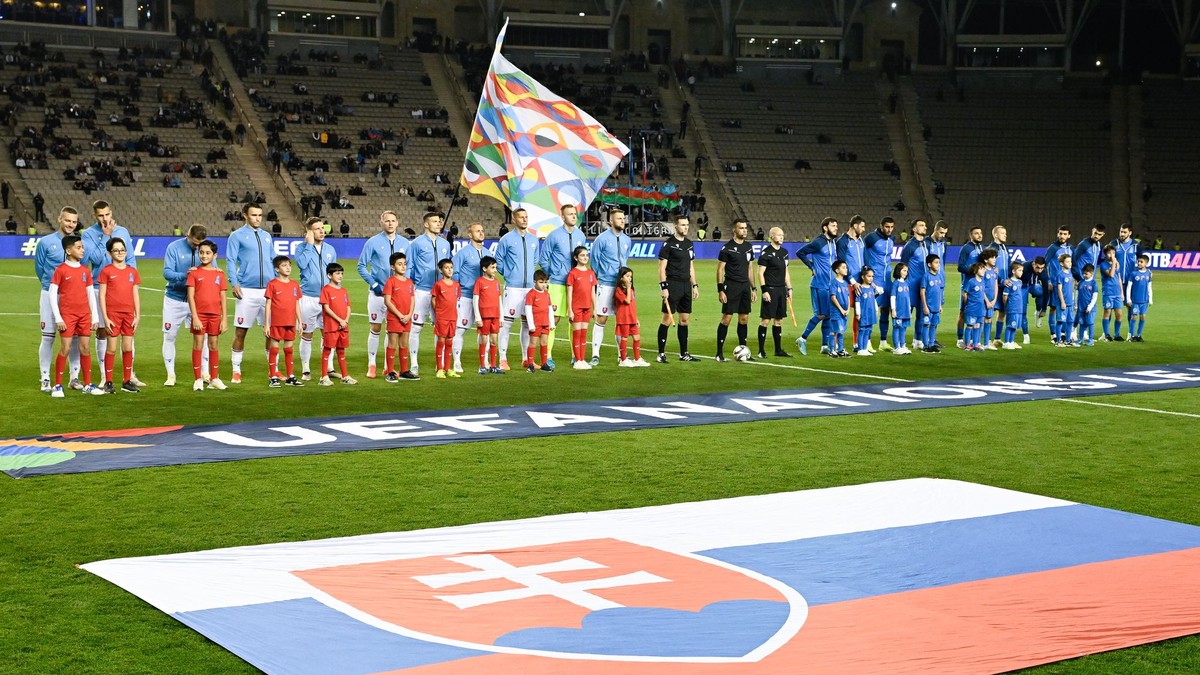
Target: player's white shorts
{"points": [[376, 309], [46, 314], [310, 314], [422, 307], [466, 314], [251, 309], [100, 325], [175, 314], [604, 301], [512, 306]]}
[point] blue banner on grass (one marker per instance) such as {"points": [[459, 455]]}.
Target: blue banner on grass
{"points": [[164, 446]]}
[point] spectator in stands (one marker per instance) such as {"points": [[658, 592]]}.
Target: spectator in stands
{"points": [[5, 188], [40, 208], [10, 225], [344, 229]]}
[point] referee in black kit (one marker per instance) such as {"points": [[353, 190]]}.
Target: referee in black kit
{"points": [[677, 279], [734, 288], [776, 281]]}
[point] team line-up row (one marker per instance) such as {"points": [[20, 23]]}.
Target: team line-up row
{"points": [[89, 286]]}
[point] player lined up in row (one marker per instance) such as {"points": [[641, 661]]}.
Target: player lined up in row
{"points": [[520, 256], [996, 288]]}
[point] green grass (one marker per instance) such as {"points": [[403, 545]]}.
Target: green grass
{"points": [[60, 619]]}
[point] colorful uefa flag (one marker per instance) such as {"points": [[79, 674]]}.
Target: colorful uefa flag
{"points": [[532, 149], [914, 576]]}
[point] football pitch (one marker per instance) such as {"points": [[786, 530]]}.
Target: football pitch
{"points": [[1131, 452]]}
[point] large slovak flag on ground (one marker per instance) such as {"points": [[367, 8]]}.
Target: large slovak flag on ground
{"points": [[911, 576], [532, 149]]}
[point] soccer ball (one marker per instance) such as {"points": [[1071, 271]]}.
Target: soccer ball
{"points": [[741, 353]]}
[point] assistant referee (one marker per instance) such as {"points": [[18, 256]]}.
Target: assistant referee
{"points": [[734, 286], [677, 280]]}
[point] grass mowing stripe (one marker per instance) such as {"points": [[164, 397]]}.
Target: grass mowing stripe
{"points": [[1126, 407]]}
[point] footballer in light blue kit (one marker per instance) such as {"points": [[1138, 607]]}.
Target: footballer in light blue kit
{"points": [[1085, 303], [839, 306], [1140, 292], [991, 293], [901, 307], [974, 308], [866, 309], [1064, 289], [1015, 301], [1112, 292], [933, 294]]}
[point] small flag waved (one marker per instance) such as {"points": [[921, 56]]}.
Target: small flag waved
{"points": [[532, 149]]}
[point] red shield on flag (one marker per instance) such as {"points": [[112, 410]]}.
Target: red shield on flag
{"points": [[476, 598]]}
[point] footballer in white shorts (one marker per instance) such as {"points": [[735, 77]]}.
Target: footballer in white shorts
{"points": [[422, 307], [46, 312], [604, 301], [376, 309], [466, 314], [310, 314], [251, 309], [175, 314], [512, 307]]}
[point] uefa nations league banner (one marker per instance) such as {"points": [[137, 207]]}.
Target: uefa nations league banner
{"points": [[643, 249], [162, 446]]}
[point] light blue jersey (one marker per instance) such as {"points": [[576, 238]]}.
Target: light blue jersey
{"points": [[468, 268], [47, 257], [423, 256], [555, 257], [178, 259], [610, 252], [95, 248], [248, 255], [517, 258], [311, 262], [373, 264]]}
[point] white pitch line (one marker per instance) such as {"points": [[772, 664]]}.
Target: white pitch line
{"points": [[1127, 407]]}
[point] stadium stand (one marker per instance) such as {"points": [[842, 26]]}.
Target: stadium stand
{"points": [[795, 153], [1170, 193], [1027, 159], [133, 127], [365, 124]]}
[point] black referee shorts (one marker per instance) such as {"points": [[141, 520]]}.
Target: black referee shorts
{"points": [[776, 307], [737, 299], [679, 294]]}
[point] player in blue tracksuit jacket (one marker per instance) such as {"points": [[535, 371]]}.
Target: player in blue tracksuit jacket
{"points": [[877, 254], [609, 253], [47, 256], [1088, 252], [313, 256], [819, 255], [374, 268], [915, 250], [968, 254]]}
